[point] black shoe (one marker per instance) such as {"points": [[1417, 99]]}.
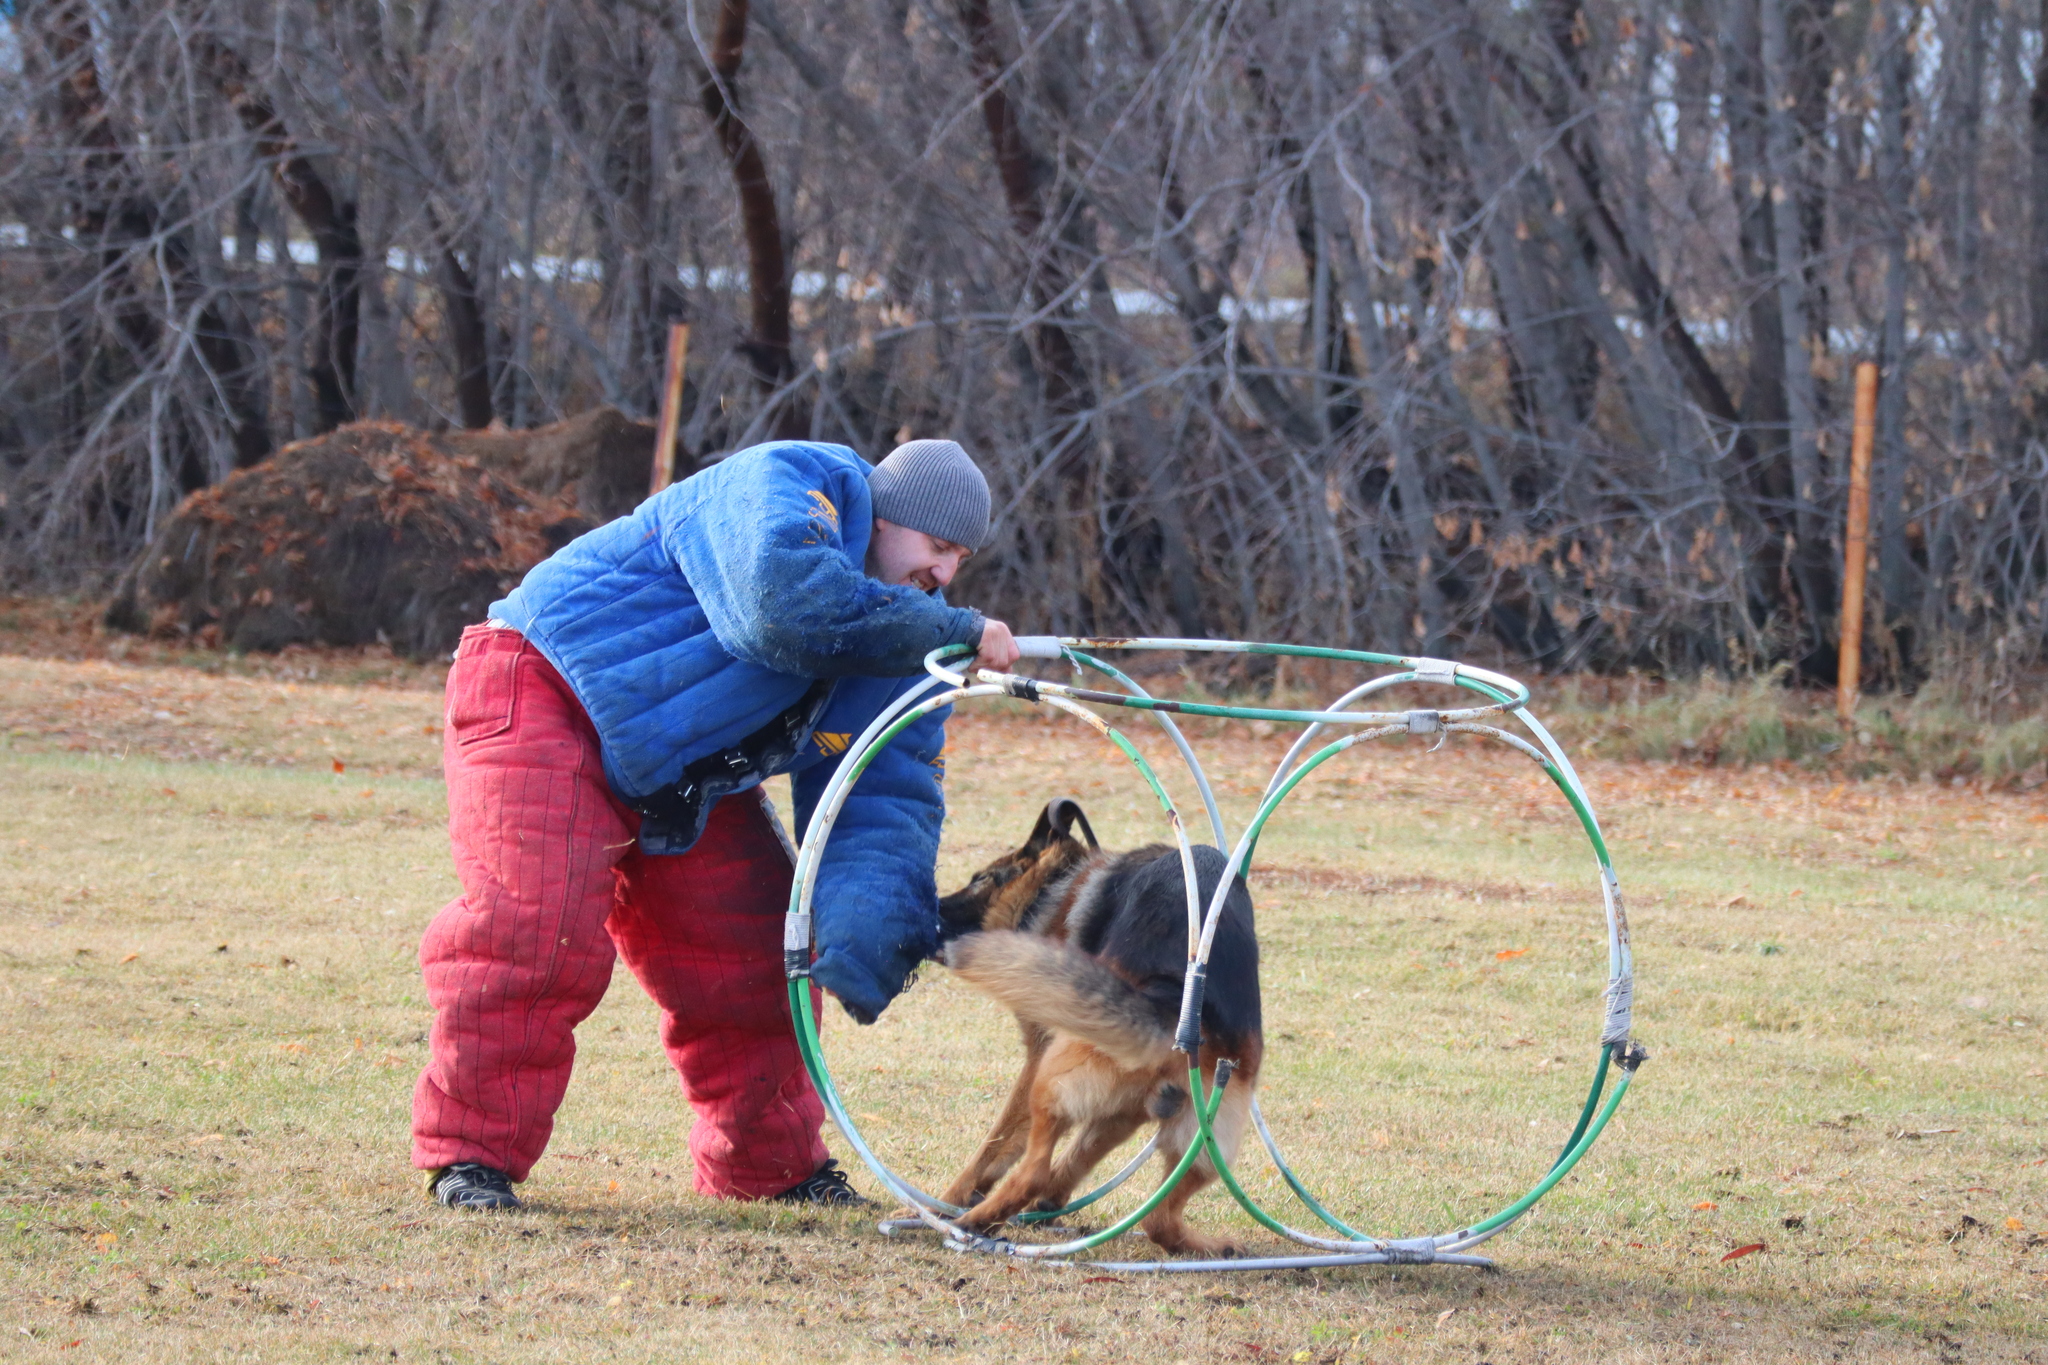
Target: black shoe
{"points": [[826, 1185], [468, 1185]]}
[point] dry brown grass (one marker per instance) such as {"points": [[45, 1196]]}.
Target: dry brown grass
{"points": [[213, 1018]]}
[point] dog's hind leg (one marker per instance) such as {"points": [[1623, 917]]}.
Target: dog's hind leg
{"points": [[1006, 1137], [1167, 1225]]}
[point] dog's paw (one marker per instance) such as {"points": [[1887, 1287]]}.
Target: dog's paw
{"points": [[1206, 1246]]}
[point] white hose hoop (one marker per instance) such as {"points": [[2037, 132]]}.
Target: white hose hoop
{"points": [[1507, 698]]}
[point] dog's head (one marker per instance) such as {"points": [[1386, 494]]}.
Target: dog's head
{"points": [[997, 896]]}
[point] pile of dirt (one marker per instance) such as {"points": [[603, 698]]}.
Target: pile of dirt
{"points": [[597, 461], [372, 533]]}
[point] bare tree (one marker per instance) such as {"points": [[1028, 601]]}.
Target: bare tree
{"points": [[1517, 330]]}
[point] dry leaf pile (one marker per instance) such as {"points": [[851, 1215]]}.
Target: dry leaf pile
{"points": [[372, 533]]}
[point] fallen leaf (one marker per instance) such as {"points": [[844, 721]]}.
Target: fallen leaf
{"points": [[1637, 1245], [1734, 901], [2015, 1225], [1740, 1252], [130, 958], [1706, 1204], [1103, 1279], [1445, 1316], [108, 1240], [209, 1137], [611, 1187], [1504, 954], [339, 765], [1915, 1134], [169, 791]]}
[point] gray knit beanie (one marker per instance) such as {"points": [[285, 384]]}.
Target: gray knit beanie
{"points": [[933, 487]]}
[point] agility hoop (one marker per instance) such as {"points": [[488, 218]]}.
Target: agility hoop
{"points": [[1505, 700]]}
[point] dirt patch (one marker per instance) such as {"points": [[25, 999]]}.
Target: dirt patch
{"points": [[372, 533]]}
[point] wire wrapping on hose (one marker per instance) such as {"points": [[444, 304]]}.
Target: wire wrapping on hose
{"points": [[1506, 699]]}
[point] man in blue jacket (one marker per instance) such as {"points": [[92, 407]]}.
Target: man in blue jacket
{"points": [[608, 730]]}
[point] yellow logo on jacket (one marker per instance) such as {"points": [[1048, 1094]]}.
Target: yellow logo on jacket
{"points": [[831, 745], [824, 523]]}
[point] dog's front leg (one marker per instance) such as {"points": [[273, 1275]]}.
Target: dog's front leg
{"points": [[1006, 1138], [1051, 1118], [1025, 1185], [1096, 1140]]}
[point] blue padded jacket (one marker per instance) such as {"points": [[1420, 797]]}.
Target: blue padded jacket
{"points": [[712, 609]]}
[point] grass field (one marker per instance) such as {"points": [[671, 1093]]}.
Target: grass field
{"points": [[213, 885]]}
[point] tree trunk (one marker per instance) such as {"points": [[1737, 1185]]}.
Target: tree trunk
{"points": [[768, 282], [1811, 571], [113, 210], [1390, 396], [1896, 585], [2037, 200], [469, 337], [331, 220], [1025, 178]]}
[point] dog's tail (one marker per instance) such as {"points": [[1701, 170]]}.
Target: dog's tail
{"points": [[1060, 987]]}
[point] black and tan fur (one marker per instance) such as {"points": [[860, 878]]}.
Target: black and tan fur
{"points": [[1089, 949]]}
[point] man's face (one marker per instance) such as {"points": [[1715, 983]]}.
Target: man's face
{"points": [[899, 555]]}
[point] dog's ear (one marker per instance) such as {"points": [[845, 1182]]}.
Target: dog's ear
{"points": [[1064, 814], [1042, 833]]}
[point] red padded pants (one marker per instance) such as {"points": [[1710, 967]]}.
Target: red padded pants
{"points": [[553, 888]]}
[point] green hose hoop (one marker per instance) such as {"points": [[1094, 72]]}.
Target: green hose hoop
{"points": [[1505, 699]]}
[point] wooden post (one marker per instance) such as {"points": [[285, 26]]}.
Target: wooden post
{"points": [[671, 408], [1856, 545]]}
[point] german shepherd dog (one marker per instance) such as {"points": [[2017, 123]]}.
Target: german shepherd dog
{"points": [[1089, 949]]}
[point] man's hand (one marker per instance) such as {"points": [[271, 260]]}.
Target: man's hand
{"points": [[998, 649]]}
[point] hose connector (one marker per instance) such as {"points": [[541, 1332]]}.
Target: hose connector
{"points": [[1188, 1038], [796, 946]]}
